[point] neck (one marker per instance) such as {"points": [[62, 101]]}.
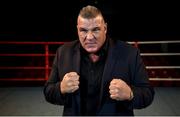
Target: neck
{"points": [[94, 58]]}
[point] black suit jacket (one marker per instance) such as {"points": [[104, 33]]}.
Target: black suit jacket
{"points": [[123, 61]]}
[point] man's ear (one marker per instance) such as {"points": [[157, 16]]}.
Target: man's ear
{"points": [[105, 27]]}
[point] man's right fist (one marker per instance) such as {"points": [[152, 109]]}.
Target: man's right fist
{"points": [[70, 83]]}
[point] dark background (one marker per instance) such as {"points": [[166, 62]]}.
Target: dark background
{"points": [[56, 20]]}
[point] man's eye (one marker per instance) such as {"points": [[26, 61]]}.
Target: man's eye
{"points": [[83, 30], [96, 30]]}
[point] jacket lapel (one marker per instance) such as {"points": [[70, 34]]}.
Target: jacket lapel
{"points": [[76, 68], [107, 73], [76, 59]]}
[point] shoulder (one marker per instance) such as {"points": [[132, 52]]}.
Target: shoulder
{"points": [[125, 46], [69, 46], [124, 50]]}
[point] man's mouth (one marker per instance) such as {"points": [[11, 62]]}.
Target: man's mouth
{"points": [[90, 44]]}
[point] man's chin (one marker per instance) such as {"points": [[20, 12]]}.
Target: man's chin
{"points": [[91, 50]]}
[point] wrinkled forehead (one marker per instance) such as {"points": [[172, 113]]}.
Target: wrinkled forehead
{"points": [[97, 20]]}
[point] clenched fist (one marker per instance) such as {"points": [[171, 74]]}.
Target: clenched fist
{"points": [[119, 90], [70, 83]]}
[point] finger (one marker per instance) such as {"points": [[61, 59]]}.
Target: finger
{"points": [[114, 81], [74, 78], [111, 92], [75, 88], [69, 84], [70, 89], [114, 96], [75, 83], [112, 87], [72, 74], [115, 91]]}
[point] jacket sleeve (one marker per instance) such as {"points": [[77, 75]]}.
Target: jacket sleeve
{"points": [[143, 92], [52, 86]]}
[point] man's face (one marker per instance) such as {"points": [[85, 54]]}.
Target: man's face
{"points": [[92, 33]]}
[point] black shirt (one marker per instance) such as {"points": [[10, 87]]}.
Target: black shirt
{"points": [[90, 80]]}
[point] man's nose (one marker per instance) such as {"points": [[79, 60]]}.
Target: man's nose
{"points": [[90, 35]]}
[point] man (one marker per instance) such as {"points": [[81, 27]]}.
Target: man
{"points": [[96, 75]]}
